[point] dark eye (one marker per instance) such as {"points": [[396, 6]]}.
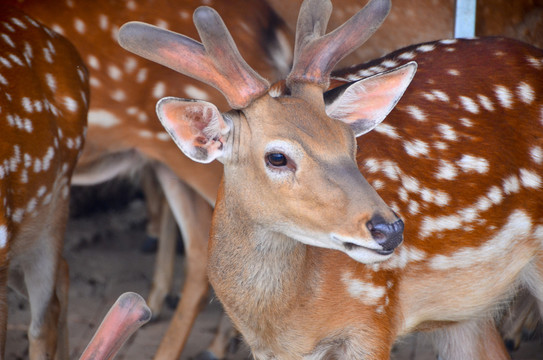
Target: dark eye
{"points": [[276, 159]]}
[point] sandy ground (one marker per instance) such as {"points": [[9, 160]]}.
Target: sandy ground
{"points": [[102, 249]]}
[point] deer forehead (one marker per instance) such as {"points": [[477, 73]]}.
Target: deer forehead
{"points": [[303, 125]]}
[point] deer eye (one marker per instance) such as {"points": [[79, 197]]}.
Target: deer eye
{"points": [[276, 159]]}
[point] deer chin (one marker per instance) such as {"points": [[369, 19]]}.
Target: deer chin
{"points": [[362, 250]]}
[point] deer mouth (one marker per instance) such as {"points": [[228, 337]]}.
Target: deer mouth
{"points": [[349, 246]]}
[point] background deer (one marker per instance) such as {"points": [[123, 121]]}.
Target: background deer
{"points": [[43, 108], [465, 252], [123, 135]]}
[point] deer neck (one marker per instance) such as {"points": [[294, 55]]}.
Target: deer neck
{"points": [[258, 274]]}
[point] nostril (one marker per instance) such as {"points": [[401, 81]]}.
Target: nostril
{"points": [[388, 235]]}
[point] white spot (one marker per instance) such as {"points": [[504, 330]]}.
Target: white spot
{"points": [[114, 72], [485, 102], [159, 90], [426, 48], [466, 122], [141, 75], [446, 170], [440, 95], [536, 63], [416, 148], [18, 22], [368, 293], [530, 179], [473, 163], [3, 80], [70, 104], [93, 62], [131, 5], [31, 206], [27, 104], [28, 127], [429, 97], [453, 72], [18, 215], [511, 185], [57, 28], [410, 184], [145, 134], [130, 64], [94, 82], [47, 55], [8, 40], [118, 95], [184, 15], [37, 165], [442, 223], [51, 82], [469, 104], [416, 112], [41, 191], [24, 176], [196, 93], [525, 92], [8, 26], [517, 228], [16, 59], [407, 56], [79, 25], [163, 136], [504, 96], [447, 132], [536, 153], [389, 63], [103, 22], [387, 130], [162, 23], [3, 236], [5, 62], [495, 195], [38, 106], [413, 207], [102, 118], [448, 41]]}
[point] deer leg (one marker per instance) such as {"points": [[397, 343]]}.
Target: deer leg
{"points": [[154, 199], [476, 339], [225, 334], [62, 287], [3, 303], [193, 215], [523, 316], [40, 278], [165, 260]]}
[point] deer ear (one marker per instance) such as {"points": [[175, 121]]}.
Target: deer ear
{"points": [[365, 104], [197, 127]]}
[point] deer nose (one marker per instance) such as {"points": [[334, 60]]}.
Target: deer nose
{"points": [[388, 235]]}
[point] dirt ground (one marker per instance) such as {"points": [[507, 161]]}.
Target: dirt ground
{"points": [[103, 251]]}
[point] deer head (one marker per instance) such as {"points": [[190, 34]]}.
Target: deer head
{"points": [[289, 158]]}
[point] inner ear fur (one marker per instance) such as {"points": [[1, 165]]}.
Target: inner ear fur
{"points": [[364, 104], [197, 127]]}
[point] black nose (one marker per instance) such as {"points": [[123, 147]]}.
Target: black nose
{"points": [[388, 235]]}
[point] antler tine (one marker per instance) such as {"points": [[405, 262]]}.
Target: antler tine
{"points": [[217, 62], [316, 55]]}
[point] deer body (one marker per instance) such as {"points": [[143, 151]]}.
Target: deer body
{"points": [[43, 107], [473, 230]]}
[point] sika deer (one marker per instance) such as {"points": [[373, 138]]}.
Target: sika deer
{"points": [[473, 232], [43, 108]]}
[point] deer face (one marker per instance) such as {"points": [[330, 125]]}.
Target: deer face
{"points": [[290, 162]]}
